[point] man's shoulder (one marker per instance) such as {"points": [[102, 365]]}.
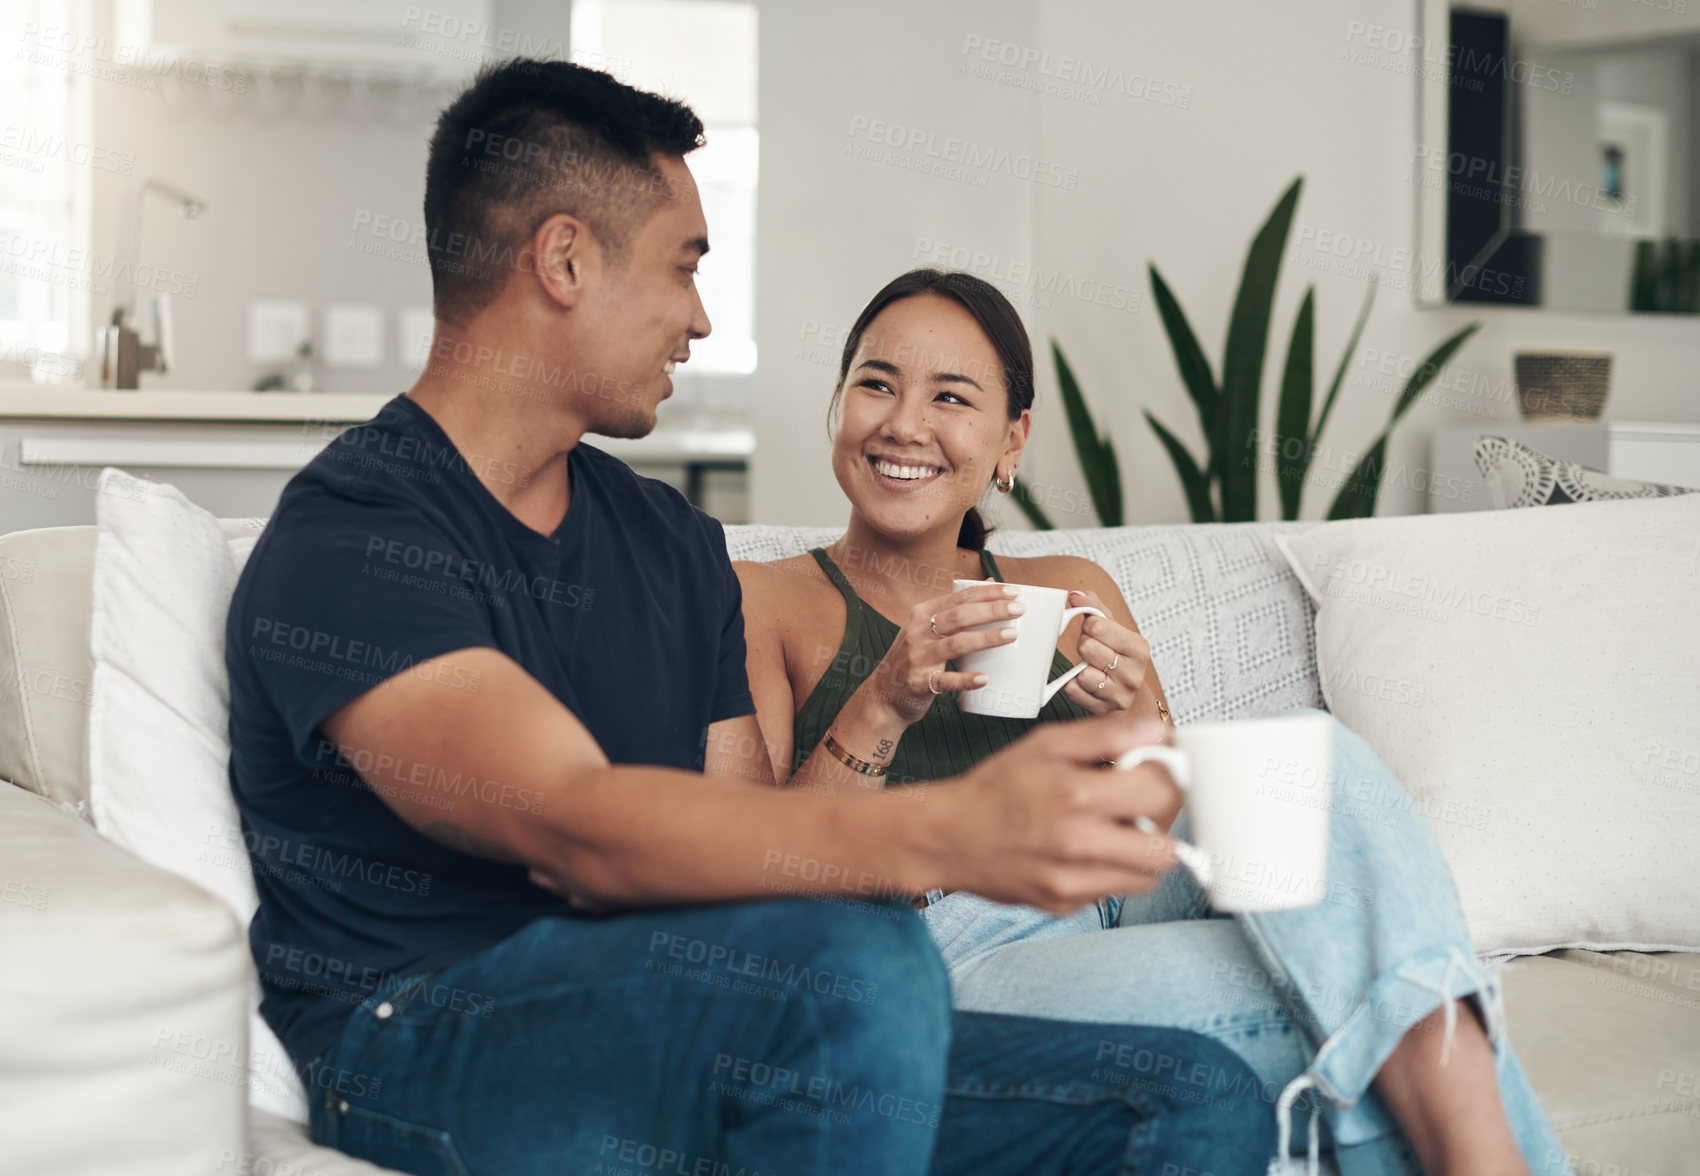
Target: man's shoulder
{"points": [[627, 489]]}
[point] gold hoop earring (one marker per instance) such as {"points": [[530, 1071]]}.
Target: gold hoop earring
{"points": [[1005, 485]]}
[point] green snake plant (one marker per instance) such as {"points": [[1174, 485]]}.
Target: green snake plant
{"points": [[1222, 487]]}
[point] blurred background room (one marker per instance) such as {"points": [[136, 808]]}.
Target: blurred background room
{"points": [[212, 252]]}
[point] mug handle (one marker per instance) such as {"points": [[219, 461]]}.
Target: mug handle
{"points": [[1180, 770], [1073, 672]]}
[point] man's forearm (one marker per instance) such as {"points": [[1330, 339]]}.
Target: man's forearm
{"points": [[630, 836]]}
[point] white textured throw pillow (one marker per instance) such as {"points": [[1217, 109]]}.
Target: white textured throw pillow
{"points": [[159, 742], [1533, 679]]}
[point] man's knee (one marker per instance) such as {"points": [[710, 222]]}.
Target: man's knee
{"points": [[876, 988]]}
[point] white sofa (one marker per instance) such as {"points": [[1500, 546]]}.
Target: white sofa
{"points": [[123, 988]]}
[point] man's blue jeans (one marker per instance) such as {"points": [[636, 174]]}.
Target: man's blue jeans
{"points": [[783, 1038]]}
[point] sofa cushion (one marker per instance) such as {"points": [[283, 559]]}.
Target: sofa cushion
{"points": [[159, 744], [1230, 626], [1611, 1045], [45, 670], [1544, 668], [123, 991]]}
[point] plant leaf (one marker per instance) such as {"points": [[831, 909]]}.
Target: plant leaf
{"points": [[1428, 369], [1193, 479], [1097, 457], [1292, 411], [1024, 500], [1345, 359], [1242, 362], [1356, 499], [1189, 356]]}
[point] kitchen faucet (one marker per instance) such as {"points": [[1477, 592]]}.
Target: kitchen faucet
{"points": [[123, 355]]}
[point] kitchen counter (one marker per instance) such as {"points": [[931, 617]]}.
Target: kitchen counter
{"points": [[693, 444], [232, 452], [203, 407]]}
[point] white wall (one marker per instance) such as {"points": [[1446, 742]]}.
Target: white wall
{"points": [[839, 82], [1276, 89]]}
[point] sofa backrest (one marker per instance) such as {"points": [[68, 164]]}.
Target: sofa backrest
{"points": [[46, 671], [1231, 630]]}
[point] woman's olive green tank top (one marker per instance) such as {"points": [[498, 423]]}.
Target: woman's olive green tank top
{"points": [[945, 742]]}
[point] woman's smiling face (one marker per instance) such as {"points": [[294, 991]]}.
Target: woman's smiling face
{"points": [[923, 419]]}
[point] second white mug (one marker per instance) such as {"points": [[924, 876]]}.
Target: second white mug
{"points": [[1259, 794]]}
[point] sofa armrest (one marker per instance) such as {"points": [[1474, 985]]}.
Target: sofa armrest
{"points": [[123, 1006]]}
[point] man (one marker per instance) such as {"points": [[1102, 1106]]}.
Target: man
{"points": [[526, 904]]}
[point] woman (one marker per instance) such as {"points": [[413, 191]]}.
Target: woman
{"points": [[851, 661]]}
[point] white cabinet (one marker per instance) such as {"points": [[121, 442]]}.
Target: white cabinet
{"points": [[440, 38]]}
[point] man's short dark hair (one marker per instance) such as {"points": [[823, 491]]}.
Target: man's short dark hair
{"points": [[529, 139]]}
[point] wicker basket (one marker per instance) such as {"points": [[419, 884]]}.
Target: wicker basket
{"points": [[1562, 385]]}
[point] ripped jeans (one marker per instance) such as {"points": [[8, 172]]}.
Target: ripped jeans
{"points": [[1314, 999]]}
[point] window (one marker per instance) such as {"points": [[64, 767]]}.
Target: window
{"points": [[702, 52], [44, 182]]}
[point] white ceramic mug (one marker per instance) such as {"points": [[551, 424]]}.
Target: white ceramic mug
{"points": [[1258, 791], [1016, 686]]}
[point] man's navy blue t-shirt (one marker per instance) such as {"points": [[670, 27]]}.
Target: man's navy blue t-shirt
{"points": [[385, 552]]}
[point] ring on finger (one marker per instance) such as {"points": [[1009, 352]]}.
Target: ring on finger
{"points": [[931, 679], [1114, 662], [933, 624], [1099, 688]]}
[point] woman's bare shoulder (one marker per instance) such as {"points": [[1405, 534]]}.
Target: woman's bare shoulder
{"points": [[1052, 571], [783, 585]]}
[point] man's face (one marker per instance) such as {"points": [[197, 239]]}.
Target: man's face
{"points": [[638, 319]]}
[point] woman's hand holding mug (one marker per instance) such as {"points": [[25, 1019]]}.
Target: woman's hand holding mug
{"points": [[937, 631], [1118, 661]]}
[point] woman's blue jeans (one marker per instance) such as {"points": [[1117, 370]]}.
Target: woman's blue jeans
{"points": [[1324, 992], [785, 1038]]}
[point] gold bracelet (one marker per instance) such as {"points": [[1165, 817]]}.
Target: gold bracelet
{"points": [[854, 763]]}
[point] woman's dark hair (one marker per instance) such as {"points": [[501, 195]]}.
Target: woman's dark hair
{"points": [[1002, 328]]}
